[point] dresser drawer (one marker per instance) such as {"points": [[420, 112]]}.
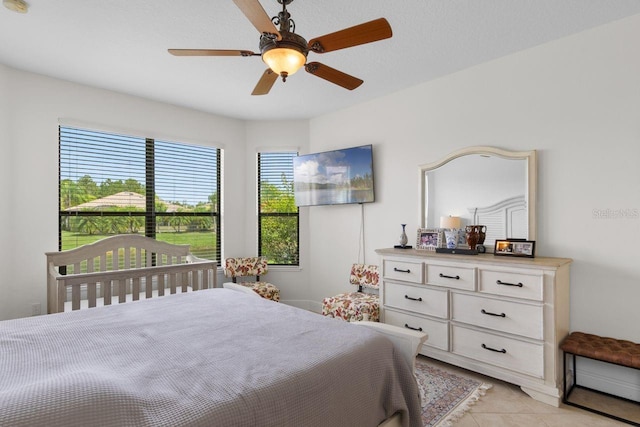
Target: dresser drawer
{"points": [[509, 353], [437, 331], [403, 270], [452, 276], [419, 299], [512, 284], [504, 316]]}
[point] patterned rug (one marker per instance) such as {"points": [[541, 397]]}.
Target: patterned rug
{"points": [[445, 396]]}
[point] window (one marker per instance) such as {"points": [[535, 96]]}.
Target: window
{"points": [[116, 184], [278, 223]]}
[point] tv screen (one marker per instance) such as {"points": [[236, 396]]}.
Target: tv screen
{"points": [[334, 177]]}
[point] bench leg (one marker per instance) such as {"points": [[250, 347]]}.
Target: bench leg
{"points": [[565, 397], [565, 394]]}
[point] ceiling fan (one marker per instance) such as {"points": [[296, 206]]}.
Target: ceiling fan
{"points": [[285, 52]]}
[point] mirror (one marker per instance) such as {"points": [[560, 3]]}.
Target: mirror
{"points": [[482, 186]]}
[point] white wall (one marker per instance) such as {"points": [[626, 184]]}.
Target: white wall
{"points": [[30, 149], [576, 101]]}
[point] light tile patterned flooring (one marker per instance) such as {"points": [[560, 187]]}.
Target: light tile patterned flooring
{"points": [[505, 405]]}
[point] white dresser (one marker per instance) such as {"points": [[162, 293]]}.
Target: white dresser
{"points": [[501, 316]]}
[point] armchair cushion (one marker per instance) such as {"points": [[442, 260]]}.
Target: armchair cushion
{"points": [[352, 307], [264, 289], [250, 266], [365, 275]]}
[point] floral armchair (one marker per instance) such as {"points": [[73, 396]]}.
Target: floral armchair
{"points": [[358, 305], [251, 266]]}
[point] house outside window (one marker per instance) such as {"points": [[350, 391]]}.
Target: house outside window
{"points": [[278, 219], [116, 184]]}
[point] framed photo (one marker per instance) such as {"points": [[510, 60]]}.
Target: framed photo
{"points": [[520, 248], [428, 239]]}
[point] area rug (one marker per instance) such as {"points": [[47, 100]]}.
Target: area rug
{"points": [[445, 396]]}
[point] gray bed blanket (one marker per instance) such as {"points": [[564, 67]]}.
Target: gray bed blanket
{"points": [[209, 358]]}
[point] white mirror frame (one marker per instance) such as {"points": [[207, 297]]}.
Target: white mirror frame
{"points": [[532, 177]]}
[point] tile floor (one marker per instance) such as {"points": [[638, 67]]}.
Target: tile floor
{"points": [[505, 405]]}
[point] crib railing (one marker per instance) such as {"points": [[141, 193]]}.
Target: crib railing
{"points": [[123, 268]]}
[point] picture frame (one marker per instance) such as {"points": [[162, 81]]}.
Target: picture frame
{"points": [[428, 239], [515, 247]]}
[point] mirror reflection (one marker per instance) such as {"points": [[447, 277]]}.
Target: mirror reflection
{"points": [[480, 186]]}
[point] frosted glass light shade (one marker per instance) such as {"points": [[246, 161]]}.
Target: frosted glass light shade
{"points": [[284, 60]]}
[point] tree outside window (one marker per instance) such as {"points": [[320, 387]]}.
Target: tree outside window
{"points": [[278, 220]]}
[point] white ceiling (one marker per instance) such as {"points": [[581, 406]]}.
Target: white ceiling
{"points": [[121, 45]]}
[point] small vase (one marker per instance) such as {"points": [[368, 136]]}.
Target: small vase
{"points": [[451, 236], [403, 237]]}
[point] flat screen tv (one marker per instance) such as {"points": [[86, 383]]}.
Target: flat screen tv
{"points": [[334, 177]]}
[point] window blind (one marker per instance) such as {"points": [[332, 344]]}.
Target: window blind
{"points": [[114, 184], [278, 220]]}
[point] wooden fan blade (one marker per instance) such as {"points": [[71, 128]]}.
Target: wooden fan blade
{"points": [[265, 83], [332, 75], [255, 13], [368, 32]]}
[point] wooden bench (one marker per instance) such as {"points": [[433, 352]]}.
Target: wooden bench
{"points": [[609, 350], [123, 268]]}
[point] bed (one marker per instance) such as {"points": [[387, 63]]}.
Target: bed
{"points": [[212, 357]]}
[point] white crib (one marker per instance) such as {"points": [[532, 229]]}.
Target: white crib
{"points": [[123, 268]]}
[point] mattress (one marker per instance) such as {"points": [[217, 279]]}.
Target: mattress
{"points": [[206, 358]]}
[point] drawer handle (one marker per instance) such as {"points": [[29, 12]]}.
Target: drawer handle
{"points": [[413, 329], [493, 349], [449, 277], [500, 282], [401, 271], [413, 299], [488, 313]]}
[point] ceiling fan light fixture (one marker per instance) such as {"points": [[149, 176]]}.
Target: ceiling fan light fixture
{"points": [[285, 52], [286, 56], [284, 60]]}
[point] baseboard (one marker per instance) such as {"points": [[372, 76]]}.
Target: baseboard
{"points": [[612, 379]]}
